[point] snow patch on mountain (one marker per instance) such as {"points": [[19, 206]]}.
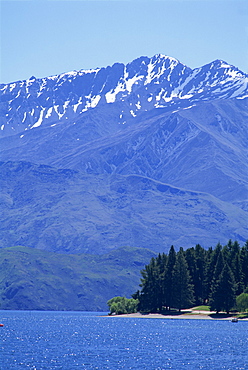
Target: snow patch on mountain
{"points": [[39, 122]]}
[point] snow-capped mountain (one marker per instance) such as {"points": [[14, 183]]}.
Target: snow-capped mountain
{"points": [[147, 154], [142, 85]]}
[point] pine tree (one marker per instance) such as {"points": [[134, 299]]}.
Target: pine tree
{"points": [[196, 259], [218, 269], [161, 262], [223, 292], [200, 276], [191, 261], [207, 279], [182, 296], [212, 256], [168, 278], [232, 257], [244, 266], [149, 296]]}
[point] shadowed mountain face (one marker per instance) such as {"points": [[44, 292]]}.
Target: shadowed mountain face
{"points": [[148, 155]]}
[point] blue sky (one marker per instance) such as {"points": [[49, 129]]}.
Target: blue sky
{"points": [[47, 37]]}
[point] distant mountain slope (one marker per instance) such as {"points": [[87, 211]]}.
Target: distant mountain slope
{"points": [[148, 154], [65, 211], [38, 280]]}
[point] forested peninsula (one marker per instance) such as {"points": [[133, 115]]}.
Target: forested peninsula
{"points": [[217, 277]]}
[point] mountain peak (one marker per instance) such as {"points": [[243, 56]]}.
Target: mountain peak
{"points": [[162, 57], [219, 64]]}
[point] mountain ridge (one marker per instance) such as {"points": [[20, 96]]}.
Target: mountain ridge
{"points": [[170, 83]]}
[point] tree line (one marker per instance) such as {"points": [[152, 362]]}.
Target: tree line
{"points": [[194, 276]]}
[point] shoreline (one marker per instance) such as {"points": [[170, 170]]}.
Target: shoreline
{"points": [[198, 315]]}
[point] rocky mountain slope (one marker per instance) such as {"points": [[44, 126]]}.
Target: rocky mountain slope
{"points": [[148, 154]]}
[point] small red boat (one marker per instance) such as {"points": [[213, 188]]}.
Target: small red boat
{"points": [[1, 325]]}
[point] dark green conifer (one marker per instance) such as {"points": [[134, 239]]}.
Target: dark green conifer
{"points": [[200, 276], [149, 296], [223, 292], [196, 260], [161, 262], [244, 266], [210, 268], [168, 278], [182, 296], [218, 269]]}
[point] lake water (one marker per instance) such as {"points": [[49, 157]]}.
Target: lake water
{"points": [[85, 340]]}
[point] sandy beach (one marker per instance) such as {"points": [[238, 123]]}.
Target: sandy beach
{"points": [[185, 314]]}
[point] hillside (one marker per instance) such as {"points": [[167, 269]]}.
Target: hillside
{"points": [[32, 279]]}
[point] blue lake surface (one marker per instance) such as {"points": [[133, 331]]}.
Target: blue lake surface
{"points": [[86, 340]]}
